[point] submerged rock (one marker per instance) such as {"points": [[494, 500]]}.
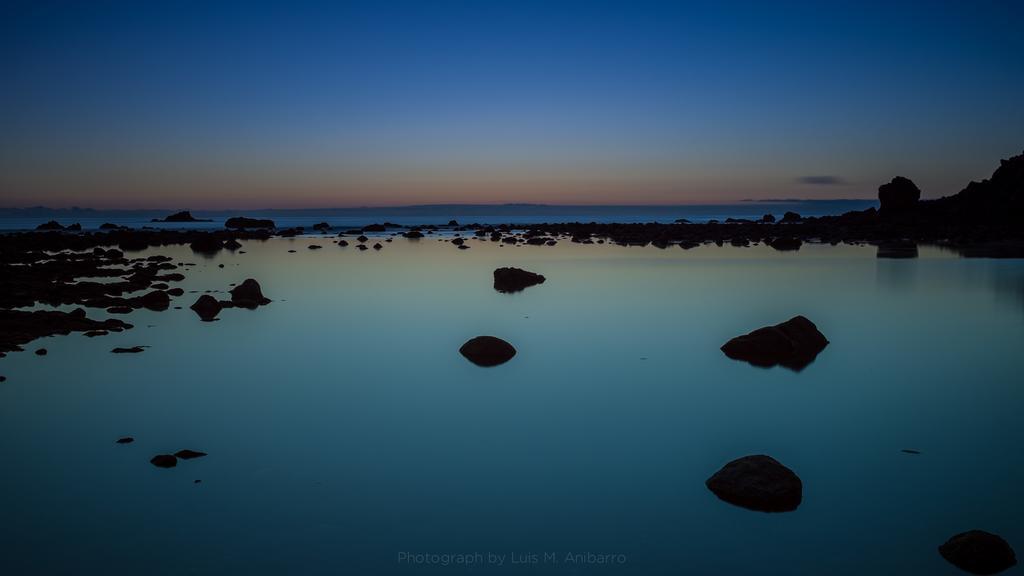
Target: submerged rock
{"points": [[164, 461], [794, 344], [207, 307], [759, 483], [125, 440], [507, 280], [189, 454], [248, 294], [487, 351], [132, 350], [978, 552]]}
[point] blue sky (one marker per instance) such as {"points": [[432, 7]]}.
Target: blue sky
{"points": [[305, 104]]}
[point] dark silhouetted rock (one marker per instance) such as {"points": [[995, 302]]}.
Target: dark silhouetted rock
{"points": [[248, 294], [76, 227], [362, 238], [314, 246], [898, 196], [183, 216], [757, 483], [413, 234], [487, 351], [206, 244], [377, 246], [897, 249], [109, 226], [978, 552], [458, 241], [791, 218], [232, 244], [120, 310], [156, 300], [125, 440], [507, 280], [207, 307], [132, 350], [41, 352], [164, 461], [342, 243], [243, 222], [362, 247], [374, 228], [786, 244], [51, 225], [189, 454], [322, 226], [768, 219], [453, 222], [793, 344]]}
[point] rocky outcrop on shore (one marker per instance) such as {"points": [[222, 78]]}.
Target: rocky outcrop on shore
{"points": [[20, 327]]}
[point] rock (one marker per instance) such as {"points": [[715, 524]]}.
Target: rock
{"points": [[362, 238], [156, 300], [978, 552], [898, 196], [757, 483], [206, 244], [120, 310], [41, 352], [361, 246], [794, 344], [508, 280], [183, 216], [791, 218], [322, 226], [132, 350], [248, 294], [377, 246], [786, 244], [374, 228], [51, 225], [189, 454], [207, 307], [487, 351], [164, 461], [109, 226], [232, 244], [243, 222], [125, 440], [453, 222], [413, 234], [315, 246], [76, 227], [342, 243], [768, 219], [458, 241], [3, 378], [897, 249]]}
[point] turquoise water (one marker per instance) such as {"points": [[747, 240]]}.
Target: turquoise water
{"points": [[344, 429]]}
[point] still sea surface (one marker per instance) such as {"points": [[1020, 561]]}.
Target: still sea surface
{"points": [[29, 218], [346, 435]]}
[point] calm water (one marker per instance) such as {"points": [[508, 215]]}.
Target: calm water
{"points": [[343, 428], [28, 219]]}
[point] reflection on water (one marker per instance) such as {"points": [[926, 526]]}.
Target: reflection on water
{"points": [[344, 429]]}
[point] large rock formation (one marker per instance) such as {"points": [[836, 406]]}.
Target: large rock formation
{"points": [[898, 196], [978, 552], [183, 216], [793, 344], [487, 351], [507, 280], [758, 483]]}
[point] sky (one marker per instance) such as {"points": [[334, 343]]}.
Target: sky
{"points": [[210, 105]]}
